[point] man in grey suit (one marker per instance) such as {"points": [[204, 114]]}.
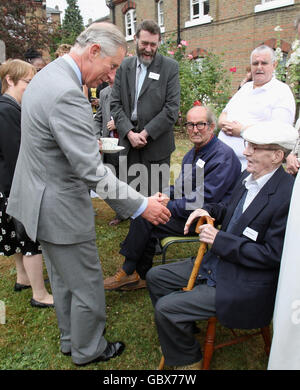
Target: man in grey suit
{"points": [[58, 163], [145, 104]]}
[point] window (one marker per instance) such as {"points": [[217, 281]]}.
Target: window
{"points": [[199, 10], [272, 4], [160, 14], [130, 24]]}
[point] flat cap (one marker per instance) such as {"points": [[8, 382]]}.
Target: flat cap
{"points": [[271, 132]]}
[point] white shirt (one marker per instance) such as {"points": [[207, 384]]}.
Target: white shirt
{"points": [[273, 101], [254, 186]]}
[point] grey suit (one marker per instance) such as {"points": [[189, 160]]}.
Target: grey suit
{"points": [[157, 109], [58, 163]]}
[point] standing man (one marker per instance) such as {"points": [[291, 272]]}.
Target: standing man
{"points": [[263, 99], [145, 104], [58, 163], [237, 279]]}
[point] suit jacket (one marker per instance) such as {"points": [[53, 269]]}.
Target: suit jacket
{"points": [[247, 269], [103, 115], [10, 137], [59, 161], [157, 107]]}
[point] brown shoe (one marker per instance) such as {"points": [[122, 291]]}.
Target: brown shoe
{"points": [[140, 284], [120, 279], [194, 366]]}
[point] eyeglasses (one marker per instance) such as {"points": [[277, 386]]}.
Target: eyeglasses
{"points": [[200, 125], [253, 147]]}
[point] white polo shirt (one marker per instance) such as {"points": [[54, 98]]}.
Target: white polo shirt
{"points": [[273, 101]]}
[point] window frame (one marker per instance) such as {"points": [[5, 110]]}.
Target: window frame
{"points": [[197, 19], [272, 4], [132, 13]]}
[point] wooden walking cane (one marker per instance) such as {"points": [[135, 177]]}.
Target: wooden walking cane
{"points": [[202, 220]]}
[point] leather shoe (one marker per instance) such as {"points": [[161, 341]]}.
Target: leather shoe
{"points": [[40, 305], [19, 287], [111, 351]]}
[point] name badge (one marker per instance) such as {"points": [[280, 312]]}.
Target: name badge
{"points": [[154, 76], [200, 163], [250, 233]]}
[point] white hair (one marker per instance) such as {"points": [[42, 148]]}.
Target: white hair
{"points": [[263, 48], [106, 34]]}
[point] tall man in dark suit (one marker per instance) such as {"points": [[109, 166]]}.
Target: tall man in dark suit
{"points": [[237, 279], [144, 105]]}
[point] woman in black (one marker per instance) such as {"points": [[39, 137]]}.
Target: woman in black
{"points": [[15, 76]]}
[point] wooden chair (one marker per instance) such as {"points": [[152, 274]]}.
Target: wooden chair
{"points": [[210, 346], [167, 241]]}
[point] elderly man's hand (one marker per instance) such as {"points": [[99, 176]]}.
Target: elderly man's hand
{"points": [[156, 212], [195, 215], [137, 140], [207, 233], [233, 128], [292, 164], [162, 198]]}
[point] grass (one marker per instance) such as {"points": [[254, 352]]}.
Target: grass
{"points": [[30, 338]]}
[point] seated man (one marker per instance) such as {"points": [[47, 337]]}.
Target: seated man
{"points": [[263, 99], [237, 279], [220, 173]]}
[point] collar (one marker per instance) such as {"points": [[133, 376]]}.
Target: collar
{"points": [[142, 65], [74, 66], [265, 87], [260, 182], [12, 98]]}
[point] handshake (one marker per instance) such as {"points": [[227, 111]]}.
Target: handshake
{"points": [[156, 211]]}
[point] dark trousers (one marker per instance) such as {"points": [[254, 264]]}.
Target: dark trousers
{"points": [[141, 173], [176, 310], [139, 245]]}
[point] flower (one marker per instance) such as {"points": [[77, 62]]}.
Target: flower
{"points": [[184, 43], [170, 52], [197, 103], [278, 28], [233, 70], [179, 46], [190, 57]]}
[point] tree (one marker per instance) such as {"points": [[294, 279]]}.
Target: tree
{"points": [[22, 26], [72, 23], [201, 82]]}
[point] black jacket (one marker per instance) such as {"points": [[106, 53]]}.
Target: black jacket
{"points": [[10, 138]]}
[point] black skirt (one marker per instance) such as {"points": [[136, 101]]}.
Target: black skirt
{"points": [[9, 244]]}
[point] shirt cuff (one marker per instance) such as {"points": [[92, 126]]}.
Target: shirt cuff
{"points": [[141, 209]]}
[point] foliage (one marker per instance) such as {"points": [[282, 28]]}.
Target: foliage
{"points": [[205, 80], [289, 71], [72, 24], [22, 27]]}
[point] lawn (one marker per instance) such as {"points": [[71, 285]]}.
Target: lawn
{"points": [[30, 338]]}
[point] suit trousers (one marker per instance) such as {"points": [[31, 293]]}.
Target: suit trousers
{"points": [[146, 176], [139, 245], [176, 310], [77, 285]]}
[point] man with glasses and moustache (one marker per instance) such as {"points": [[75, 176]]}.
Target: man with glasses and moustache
{"points": [[237, 279], [208, 174], [145, 104]]}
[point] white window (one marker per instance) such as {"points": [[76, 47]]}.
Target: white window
{"points": [[160, 14], [130, 24], [199, 10], [272, 4]]}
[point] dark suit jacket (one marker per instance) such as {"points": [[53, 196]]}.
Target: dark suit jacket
{"points": [[247, 269], [10, 137], [157, 109]]}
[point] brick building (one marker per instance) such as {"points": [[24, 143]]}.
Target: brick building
{"points": [[232, 27]]}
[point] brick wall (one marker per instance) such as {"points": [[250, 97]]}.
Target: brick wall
{"points": [[235, 29]]}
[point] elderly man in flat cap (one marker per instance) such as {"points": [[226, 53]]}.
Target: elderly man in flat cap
{"points": [[237, 279]]}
